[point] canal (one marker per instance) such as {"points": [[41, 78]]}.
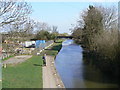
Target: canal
{"points": [[74, 73]]}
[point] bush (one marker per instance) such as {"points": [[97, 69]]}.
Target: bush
{"points": [[107, 44]]}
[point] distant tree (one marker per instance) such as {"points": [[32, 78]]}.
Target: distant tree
{"points": [[41, 26], [63, 34], [54, 29], [28, 27], [43, 35], [77, 35], [21, 32], [43, 31], [54, 33]]}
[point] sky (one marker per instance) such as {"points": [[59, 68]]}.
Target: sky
{"points": [[62, 14]]}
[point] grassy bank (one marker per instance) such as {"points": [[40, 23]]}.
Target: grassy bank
{"points": [[25, 75], [54, 49]]}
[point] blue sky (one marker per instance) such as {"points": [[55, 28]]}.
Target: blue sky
{"points": [[62, 14]]}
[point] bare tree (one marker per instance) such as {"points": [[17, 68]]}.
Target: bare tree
{"points": [[29, 26], [109, 17], [54, 29], [41, 26], [25, 31], [12, 12]]}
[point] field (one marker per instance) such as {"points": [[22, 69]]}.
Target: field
{"points": [[25, 75]]}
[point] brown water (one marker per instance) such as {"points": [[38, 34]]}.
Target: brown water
{"points": [[75, 74]]}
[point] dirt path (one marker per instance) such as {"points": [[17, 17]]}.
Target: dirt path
{"points": [[51, 79], [17, 59]]}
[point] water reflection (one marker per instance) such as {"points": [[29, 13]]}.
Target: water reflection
{"points": [[74, 73]]}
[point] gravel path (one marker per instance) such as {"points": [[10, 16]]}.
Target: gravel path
{"points": [[17, 59], [51, 79]]}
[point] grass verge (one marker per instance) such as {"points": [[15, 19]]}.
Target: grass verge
{"points": [[24, 75], [7, 58], [54, 49]]}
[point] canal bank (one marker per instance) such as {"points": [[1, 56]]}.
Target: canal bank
{"points": [[51, 78], [75, 73]]}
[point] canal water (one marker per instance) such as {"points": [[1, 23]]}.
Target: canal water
{"points": [[74, 73]]}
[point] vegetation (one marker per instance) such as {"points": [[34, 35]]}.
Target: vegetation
{"points": [[46, 35], [43, 35], [99, 38], [24, 75], [54, 49], [7, 58]]}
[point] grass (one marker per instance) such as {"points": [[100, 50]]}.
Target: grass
{"points": [[29, 73], [7, 58], [54, 49], [24, 75]]}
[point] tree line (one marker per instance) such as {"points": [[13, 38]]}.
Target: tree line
{"points": [[16, 24], [97, 32]]}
